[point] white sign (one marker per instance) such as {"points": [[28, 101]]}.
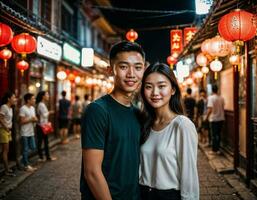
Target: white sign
{"points": [[49, 49], [71, 54], [202, 6], [87, 57]]}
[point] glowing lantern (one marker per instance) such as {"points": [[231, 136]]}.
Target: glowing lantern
{"points": [[216, 66], [237, 25], [61, 75], [234, 60], [205, 70], [131, 35], [198, 74], [5, 54], [205, 46], [219, 47], [22, 66], [171, 61], [189, 81], [201, 59], [6, 34], [24, 44], [71, 77], [77, 79]]}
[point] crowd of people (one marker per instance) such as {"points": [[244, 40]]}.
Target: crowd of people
{"points": [[33, 116], [128, 153]]}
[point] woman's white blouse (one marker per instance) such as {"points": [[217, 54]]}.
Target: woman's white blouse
{"points": [[43, 113], [168, 159]]}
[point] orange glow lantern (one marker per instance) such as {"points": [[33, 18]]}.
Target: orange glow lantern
{"points": [[61, 75], [6, 34], [201, 59], [205, 46], [234, 60], [219, 47], [205, 70], [71, 77], [24, 44], [5, 54], [237, 25], [22, 66], [131, 35]]}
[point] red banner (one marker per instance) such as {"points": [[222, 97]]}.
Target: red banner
{"points": [[176, 41], [189, 33]]}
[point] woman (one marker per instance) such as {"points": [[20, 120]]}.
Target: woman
{"points": [[6, 115], [43, 114], [168, 157]]}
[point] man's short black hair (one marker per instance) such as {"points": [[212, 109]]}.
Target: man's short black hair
{"points": [[63, 93], [202, 91], [27, 97], [125, 46], [76, 98], [189, 91], [214, 88]]}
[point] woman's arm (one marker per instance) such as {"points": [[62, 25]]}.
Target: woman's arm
{"points": [[187, 142]]}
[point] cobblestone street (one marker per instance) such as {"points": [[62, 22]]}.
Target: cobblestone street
{"points": [[59, 180]]}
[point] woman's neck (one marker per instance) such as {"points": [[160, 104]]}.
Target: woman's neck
{"points": [[164, 115]]}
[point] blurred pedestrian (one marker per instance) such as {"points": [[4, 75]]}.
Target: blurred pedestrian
{"points": [[64, 109], [168, 161], [43, 114], [203, 124], [215, 114], [27, 120], [76, 116], [6, 115], [189, 103], [86, 102], [111, 131]]}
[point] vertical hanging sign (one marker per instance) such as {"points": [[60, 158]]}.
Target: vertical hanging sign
{"points": [[189, 33], [176, 41]]}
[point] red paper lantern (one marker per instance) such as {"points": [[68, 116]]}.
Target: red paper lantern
{"points": [[131, 35], [22, 66], [24, 43], [237, 25], [5, 54], [6, 34], [171, 61]]}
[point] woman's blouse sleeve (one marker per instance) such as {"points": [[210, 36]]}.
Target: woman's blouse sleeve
{"points": [[186, 148]]}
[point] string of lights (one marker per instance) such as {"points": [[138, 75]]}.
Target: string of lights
{"points": [[143, 11]]}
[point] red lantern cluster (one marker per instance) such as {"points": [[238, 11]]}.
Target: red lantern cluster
{"points": [[237, 25], [131, 35], [24, 43], [6, 34]]}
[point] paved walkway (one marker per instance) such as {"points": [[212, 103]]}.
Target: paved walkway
{"points": [[59, 180]]}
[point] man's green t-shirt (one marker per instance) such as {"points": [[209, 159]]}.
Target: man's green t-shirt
{"points": [[114, 128]]}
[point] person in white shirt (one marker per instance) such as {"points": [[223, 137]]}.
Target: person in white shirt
{"points": [[43, 114], [6, 115], [216, 117], [27, 120], [168, 159]]}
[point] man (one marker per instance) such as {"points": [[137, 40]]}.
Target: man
{"points": [[111, 131], [27, 120], [189, 103], [64, 107], [215, 114]]}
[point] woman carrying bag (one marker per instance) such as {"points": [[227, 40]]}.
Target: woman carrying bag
{"points": [[43, 114]]}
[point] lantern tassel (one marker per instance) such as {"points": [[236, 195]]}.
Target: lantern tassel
{"points": [[215, 75], [22, 72], [23, 56], [171, 66], [5, 63]]}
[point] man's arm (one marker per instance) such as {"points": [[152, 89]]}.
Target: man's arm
{"points": [[26, 120], [92, 159], [209, 110]]}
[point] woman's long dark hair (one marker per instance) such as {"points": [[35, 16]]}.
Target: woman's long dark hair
{"points": [[175, 101], [40, 96]]}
